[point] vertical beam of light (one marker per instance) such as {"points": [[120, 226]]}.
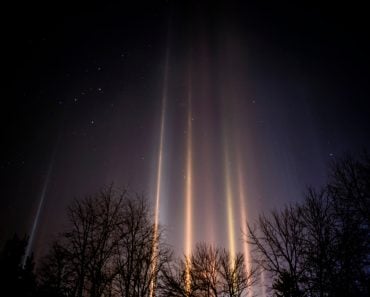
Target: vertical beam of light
{"points": [[39, 208], [230, 210], [243, 216], [159, 179], [205, 122], [228, 137], [161, 145], [189, 186]]}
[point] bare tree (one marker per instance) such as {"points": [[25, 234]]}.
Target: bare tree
{"points": [[205, 270], [319, 241], [173, 280], [320, 247], [349, 190], [278, 245], [92, 241], [108, 249], [349, 187], [212, 272], [54, 273], [235, 279], [141, 253]]}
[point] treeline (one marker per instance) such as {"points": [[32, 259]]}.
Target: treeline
{"points": [[320, 247]]}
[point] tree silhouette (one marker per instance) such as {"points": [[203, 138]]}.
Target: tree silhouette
{"points": [[349, 190], [212, 272], [107, 251], [278, 244], [54, 277], [319, 223], [141, 253], [285, 286], [320, 247]]}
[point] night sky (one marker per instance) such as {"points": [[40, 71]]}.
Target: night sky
{"points": [[234, 106]]}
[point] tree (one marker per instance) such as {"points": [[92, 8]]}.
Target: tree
{"points": [[349, 187], [141, 253], [319, 241], [212, 272], [92, 241], [54, 277], [349, 190], [235, 279], [107, 250], [285, 285], [278, 245], [320, 247]]}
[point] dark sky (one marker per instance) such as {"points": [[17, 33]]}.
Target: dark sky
{"points": [[266, 94]]}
